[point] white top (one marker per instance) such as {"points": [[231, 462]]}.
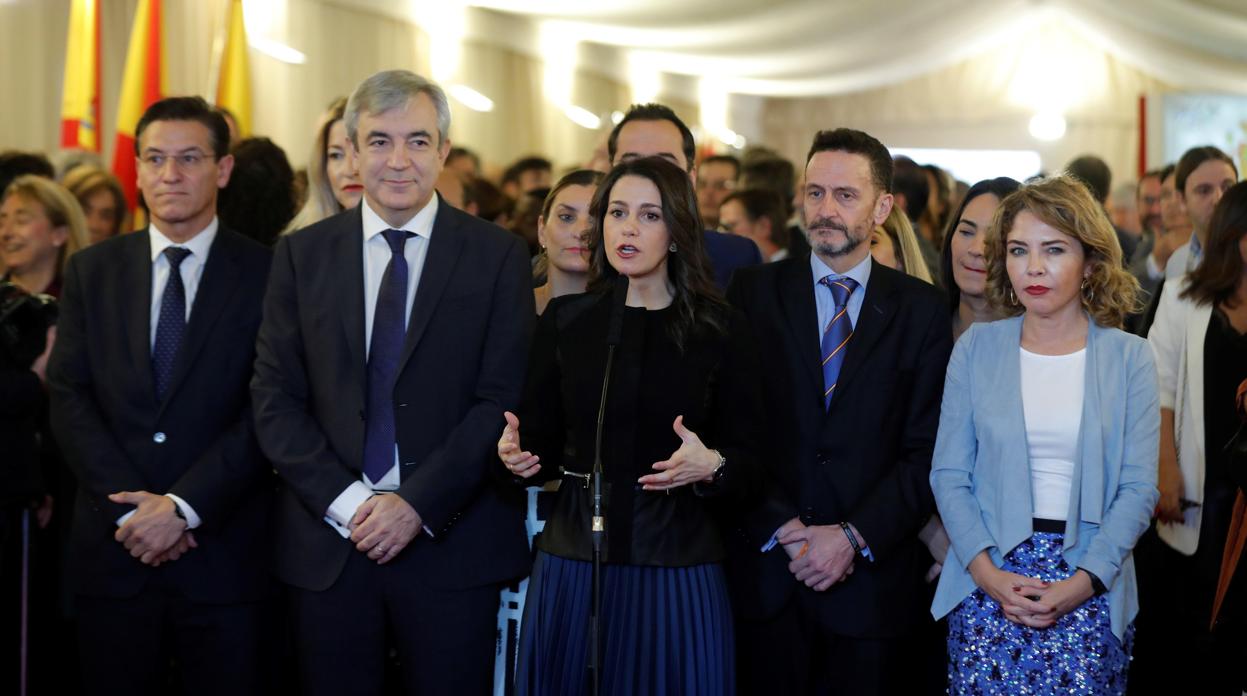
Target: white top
{"points": [[1052, 394], [377, 256]]}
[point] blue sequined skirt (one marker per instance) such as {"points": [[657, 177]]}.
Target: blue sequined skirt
{"points": [[989, 654]]}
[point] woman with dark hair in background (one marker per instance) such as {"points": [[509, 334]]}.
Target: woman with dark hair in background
{"points": [[332, 185], [1200, 340], [102, 200], [681, 431], [962, 264], [258, 202], [563, 233], [1044, 469]]}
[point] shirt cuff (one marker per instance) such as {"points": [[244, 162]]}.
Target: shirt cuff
{"points": [[188, 512], [343, 508]]}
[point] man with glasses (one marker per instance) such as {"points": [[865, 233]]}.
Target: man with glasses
{"points": [[716, 179], [150, 403]]}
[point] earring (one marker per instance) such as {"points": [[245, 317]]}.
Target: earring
{"points": [[672, 248], [1013, 300], [1090, 296]]}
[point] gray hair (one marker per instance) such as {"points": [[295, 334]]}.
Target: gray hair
{"points": [[391, 89]]}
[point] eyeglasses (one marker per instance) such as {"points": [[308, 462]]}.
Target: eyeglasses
{"points": [[184, 161]]}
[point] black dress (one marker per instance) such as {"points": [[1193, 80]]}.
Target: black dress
{"points": [[666, 618]]}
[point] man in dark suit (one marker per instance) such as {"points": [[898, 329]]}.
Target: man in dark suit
{"points": [[395, 335], [833, 604], [653, 130], [150, 404]]}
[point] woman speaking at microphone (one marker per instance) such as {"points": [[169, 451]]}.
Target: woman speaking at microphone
{"points": [[680, 430]]}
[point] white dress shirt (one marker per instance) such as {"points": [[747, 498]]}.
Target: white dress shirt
{"points": [[191, 270], [377, 256], [827, 303]]}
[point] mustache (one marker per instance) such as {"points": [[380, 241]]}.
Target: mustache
{"points": [[826, 223]]}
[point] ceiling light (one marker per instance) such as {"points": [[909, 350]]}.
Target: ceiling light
{"points": [[582, 117], [1047, 125], [471, 98]]}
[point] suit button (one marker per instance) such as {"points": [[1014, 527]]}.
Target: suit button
{"points": [[159, 438]]}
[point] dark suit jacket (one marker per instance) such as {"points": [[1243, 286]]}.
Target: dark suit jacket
{"points": [[198, 443], [728, 253], [462, 365], [866, 460]]}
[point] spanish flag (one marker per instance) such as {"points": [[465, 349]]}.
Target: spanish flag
{"points": [[142, 84], [80, 98], [234, 81]]}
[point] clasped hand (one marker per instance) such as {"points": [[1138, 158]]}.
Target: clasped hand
{"points": [[821, 555], [1030, 601], [383, 525], [154, 534]]}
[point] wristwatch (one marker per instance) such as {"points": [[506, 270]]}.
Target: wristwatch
{"points": [[719, 470]]}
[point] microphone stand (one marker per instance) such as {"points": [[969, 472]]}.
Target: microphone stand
{"points": [[598, 526]]}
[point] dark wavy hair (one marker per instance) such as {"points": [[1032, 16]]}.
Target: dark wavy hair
{"points": [[1216, 278], [1000, 187], [698, 303]]}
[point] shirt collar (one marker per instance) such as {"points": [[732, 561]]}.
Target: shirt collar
{"points": [[859, 273], [420, 224], [198, 245], [1196, 247]]}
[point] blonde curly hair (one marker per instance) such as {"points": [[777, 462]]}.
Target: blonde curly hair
{"points": [[1062, 202]]}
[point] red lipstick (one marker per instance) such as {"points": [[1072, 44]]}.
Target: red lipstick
{"points": [[1037, 290]]}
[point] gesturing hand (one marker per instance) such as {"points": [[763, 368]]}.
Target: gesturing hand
{"points": [[690, 463], [384, 525], [1012, 592], [520, 463], [154, 526], [828, 559]]}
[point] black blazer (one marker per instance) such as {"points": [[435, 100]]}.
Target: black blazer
{"points": [[198, 443], [462, 365], [727, 253], [713, 383], [867, 459]]}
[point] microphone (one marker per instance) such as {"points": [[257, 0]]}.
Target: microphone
{"points": [[614, 331], [619, 296]]}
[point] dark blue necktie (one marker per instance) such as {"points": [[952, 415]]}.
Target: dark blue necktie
{"points": [[171, 324], [836, 334], [389, 328]]}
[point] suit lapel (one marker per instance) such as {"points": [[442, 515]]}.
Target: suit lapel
{"points": [[796, 298], [216, 287], [878, 308], [138, 313], [445, 245], [347, 261]]}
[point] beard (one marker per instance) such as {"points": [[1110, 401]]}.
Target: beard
{"points": [[853, 238]]}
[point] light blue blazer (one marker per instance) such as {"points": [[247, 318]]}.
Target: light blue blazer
{"points": [[980, 473]]}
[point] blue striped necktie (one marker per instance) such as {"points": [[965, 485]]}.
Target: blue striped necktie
{"points": [[389, 329], [171, 324], [836, 334]]}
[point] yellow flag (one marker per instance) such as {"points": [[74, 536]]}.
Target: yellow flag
{"points": [[234, 83], [80, 96]]}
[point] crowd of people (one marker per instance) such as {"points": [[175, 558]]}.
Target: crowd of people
{"points": [[840, 426]]}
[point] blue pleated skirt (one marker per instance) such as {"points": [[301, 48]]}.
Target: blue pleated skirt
{"points": [[989, 654], [665, 631]]}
